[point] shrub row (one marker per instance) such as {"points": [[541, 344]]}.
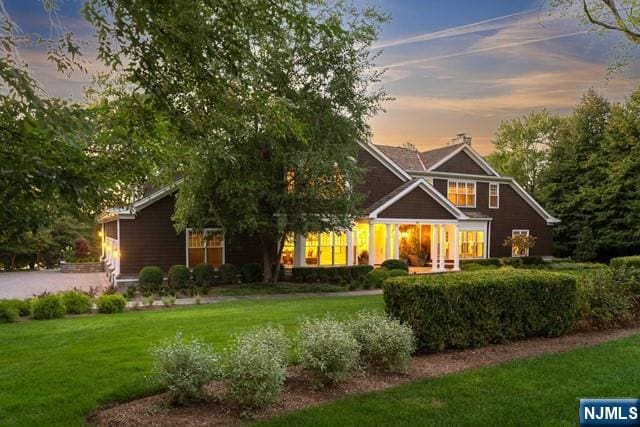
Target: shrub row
{"points": [[471, 309], [55, 306], [204, 275], [625, 262], [343, 274], [254, 367], [606, 299], [480, 261]]}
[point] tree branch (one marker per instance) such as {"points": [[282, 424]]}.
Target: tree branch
{"points": [[621, 26]]}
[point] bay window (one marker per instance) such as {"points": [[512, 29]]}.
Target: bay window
{"points": [[462, 193]]}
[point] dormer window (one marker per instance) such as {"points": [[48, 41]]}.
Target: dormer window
{"points": [[462, 193]]}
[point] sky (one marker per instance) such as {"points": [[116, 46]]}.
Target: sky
{"points": [[451, 66]]}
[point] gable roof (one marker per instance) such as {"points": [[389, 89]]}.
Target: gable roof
{"points": [[427, 161], [130, 212], [406, 188]]}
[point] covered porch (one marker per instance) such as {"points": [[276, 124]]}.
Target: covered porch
{"points": [[426, 245]]}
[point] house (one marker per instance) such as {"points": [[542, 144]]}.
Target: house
{"points": [[432, 208]]}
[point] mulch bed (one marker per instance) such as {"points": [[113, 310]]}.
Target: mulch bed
{"points": [[299, 394]]}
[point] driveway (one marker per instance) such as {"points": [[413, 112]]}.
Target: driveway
{"points": [[24, 284]]}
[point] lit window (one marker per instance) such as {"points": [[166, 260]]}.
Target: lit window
{"points": [[287, 251], [328, 248], [462, 193], [494, 196], [205, 247], [471, 244]]}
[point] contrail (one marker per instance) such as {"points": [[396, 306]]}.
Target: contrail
{"points": [[450, 32], [483, 49]]}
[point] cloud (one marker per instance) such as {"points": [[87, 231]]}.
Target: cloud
{"points": [[475, 27]]}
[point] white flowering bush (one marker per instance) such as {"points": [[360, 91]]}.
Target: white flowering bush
{"points": [[255, 367], [328, 349], [184, 367], [385, 343]]}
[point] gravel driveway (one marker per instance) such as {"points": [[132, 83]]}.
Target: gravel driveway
{"points": [[24, 284]]}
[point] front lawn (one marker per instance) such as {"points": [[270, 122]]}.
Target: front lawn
{"points": [[540, 391], [55, 372]]}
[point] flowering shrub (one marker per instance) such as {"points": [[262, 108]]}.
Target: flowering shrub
{"points": [[385, 343], [255, 367], [328, 349], [184, 367]]}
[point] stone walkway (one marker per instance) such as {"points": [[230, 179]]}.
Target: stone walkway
{"points": [[24, 284]]}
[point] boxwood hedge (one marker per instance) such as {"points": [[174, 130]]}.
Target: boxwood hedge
{"points": [[471, 309], [340, 275], [625, 262]]}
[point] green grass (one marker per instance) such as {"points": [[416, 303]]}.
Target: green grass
{"points": [[540, 391], [55, 372]]}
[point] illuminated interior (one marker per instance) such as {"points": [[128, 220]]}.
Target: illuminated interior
{"points": [[471, 244], [326, 249], [362, 243], [415, 243], [287, 251]]}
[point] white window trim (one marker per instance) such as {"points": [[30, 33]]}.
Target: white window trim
{"points": [[204, 230], [333, 246], [519, 231], [458, 182], [497, 195], [484, 242]]}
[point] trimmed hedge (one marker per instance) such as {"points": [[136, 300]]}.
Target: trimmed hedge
{"points": [[471, 309], [111, 303], [341, 274], [48, 307], [76, 302], [251, 273], [228, 274], [204, 275], [150, 278], [481, 261], [178, 276], [625, 262], [375, 278], [395, 264], [8, 312]]}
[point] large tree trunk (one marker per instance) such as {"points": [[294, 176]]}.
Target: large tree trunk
{"points": [[271, 253]]}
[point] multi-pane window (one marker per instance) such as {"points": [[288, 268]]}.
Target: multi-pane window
{"points": [[462, 193], [494, 195], [205, 247], [471, 244], [326, 249]]}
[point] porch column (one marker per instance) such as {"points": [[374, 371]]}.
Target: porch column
{"points": [[442, 255], [299, 244], [349, 247], [396, 241], [371, 248], [434, 252], [387, 252], [456, 251]]}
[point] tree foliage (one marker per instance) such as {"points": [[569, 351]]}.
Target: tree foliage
{"points": [[269, 99], [522, 147]]}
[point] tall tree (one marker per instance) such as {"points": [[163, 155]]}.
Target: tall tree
{"points": [[522, 147], [270, 100], [575, 167]]}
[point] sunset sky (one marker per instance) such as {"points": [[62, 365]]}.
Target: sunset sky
{"points": [[453, 66]]}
